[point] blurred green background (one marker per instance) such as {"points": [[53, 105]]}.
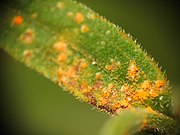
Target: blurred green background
{"points": [[32, 104]]}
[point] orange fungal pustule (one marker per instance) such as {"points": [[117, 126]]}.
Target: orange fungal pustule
{"points": [[79, 18], [17, 20]]}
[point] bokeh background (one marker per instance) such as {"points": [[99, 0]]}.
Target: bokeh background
{"points": [[32, 105]]}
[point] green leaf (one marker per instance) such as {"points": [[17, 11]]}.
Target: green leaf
{"points": [[84, 53]]}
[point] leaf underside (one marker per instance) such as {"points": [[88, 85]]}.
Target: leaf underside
{"points": [[84, 53]]}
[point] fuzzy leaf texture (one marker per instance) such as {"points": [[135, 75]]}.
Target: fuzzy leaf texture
{"points": [[85, 54]]}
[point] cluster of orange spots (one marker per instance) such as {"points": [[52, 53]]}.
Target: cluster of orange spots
{"points": [[84, 28], [113, 66], [79, 18], [150, 110], [140, 95], [28, 54], [103, 101], [17, 20], [60, 5], [60, 46], [133, 71], [121, 104], [28, 36], [98, 76]]}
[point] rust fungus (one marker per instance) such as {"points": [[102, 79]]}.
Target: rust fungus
{"points": [[146, 85], [28, 54], [98, 76], [121, 104], [140, 95], [159, 84], [103, 101], [60, 5], [28, 36], [153, 93], [113, 66], [62, 57], [79, 18], [17, 20], [83, 64], [60, 46], [61, 77], [133, 71], [84, 28]]}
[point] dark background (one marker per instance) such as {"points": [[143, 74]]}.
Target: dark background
{"points": [[32, 104]]}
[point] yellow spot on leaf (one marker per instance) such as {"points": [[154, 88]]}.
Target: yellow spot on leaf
{"points": [[28, 36], [28, 54], [70, 14], [17, 20], [60, 5], [84, 28], [79, 18], [60, 46]]}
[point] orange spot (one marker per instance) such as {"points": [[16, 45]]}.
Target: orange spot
{"points": [[146, 85], [79, 18], [28, 36], [113, 66], [121, 104], [60, 46], [17, 20], [84, 28], [133, 71], [103, 101], [62, 57], [153, 93], [28, 54], [140, 95], [159, 84], [98, 76], [83, 64], [150, 110], [62, 78]]}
